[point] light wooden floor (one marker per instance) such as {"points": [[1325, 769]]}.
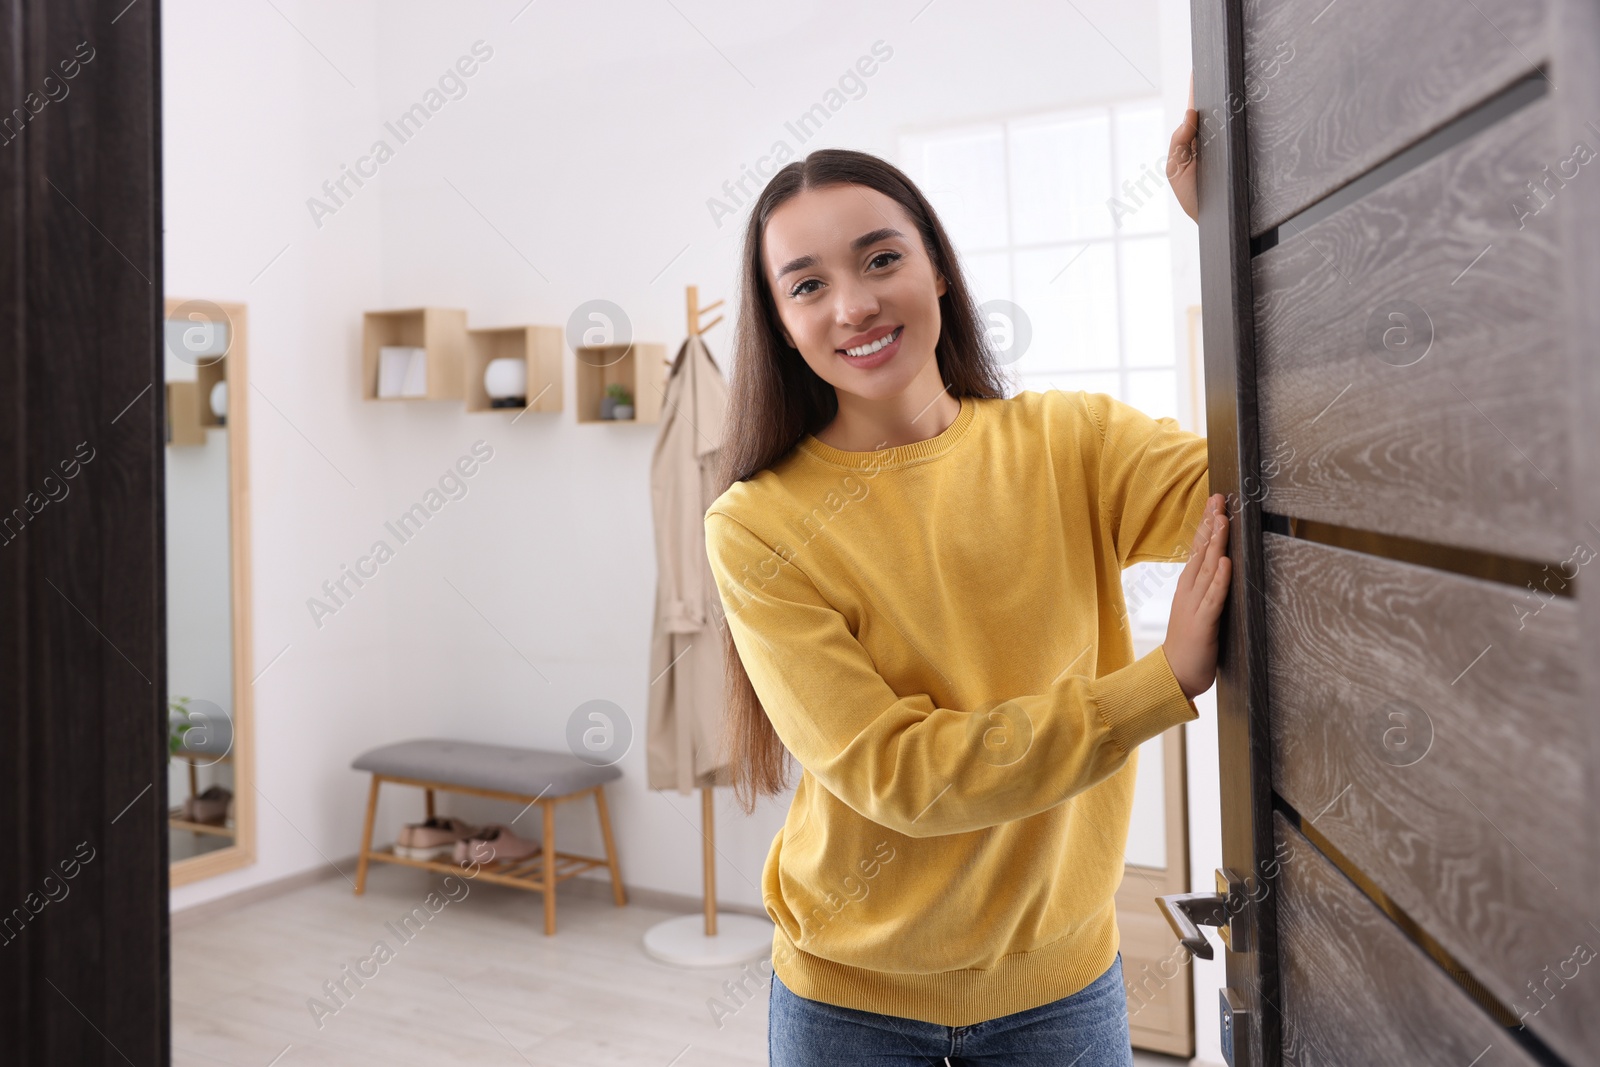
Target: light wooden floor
{"points": [[478, 984]]}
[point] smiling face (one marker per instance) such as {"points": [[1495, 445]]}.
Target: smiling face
{"points": [[855, 289]]}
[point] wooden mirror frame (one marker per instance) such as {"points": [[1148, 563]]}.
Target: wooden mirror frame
{"points": [[242, 853]]}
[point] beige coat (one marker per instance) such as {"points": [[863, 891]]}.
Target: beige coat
{"points": [[686, 660]]}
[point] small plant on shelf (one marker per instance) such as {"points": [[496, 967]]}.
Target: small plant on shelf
{"points": [[178, 724], [617, 403]]}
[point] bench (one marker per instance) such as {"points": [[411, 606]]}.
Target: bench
{"points": [[527, 776]]}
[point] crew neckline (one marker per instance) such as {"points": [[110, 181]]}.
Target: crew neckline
{"points": [[897, 455]]}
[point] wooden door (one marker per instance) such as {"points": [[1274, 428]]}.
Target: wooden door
{"points": [[1400, 244], [83, 694]]}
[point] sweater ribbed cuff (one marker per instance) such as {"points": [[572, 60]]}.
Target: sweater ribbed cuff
{"points": [[1143, 700]]}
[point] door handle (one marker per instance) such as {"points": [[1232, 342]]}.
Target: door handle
{"points": [[1226, 909], [1186, 912]]}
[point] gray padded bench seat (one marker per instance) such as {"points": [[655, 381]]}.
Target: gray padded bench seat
{"points": [[498, 768], [527, 776]]}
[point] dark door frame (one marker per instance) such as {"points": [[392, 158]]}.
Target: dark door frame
{"points": [[84, 975], [1243, 742]]}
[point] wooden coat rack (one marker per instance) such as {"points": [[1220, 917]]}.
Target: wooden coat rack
{"points": [[707, 808], [746, 937]]}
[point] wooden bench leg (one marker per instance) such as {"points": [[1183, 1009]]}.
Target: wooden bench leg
{"points": [[549, 810], [366, 836], [617, 892]]}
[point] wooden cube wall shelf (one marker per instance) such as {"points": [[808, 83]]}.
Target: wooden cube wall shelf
{"points": [[540, 347], [441, 332], [184, 426], [640, 367]]}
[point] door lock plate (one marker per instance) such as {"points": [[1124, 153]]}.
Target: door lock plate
{"points": [[1235, 1019]]}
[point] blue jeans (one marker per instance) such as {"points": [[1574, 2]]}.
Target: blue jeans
{"points": [[1087, 1029]]}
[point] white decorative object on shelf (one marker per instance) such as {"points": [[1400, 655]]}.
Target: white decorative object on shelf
{"points": [[402, 371], [506, 382], [219, 399]]}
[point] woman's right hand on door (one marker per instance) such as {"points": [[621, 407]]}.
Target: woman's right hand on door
{"points": [[1183, 154], [1191, 642]]}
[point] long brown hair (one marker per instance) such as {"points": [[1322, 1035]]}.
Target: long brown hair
{"points": [[775, 399]]}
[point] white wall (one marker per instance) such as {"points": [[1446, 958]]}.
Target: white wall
{"points": [[251, 114], [578, 164]]}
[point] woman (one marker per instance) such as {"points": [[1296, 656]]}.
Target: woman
{"points": [[922, 580]]}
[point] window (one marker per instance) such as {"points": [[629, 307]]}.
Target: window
{"points": [[1065, 215]]}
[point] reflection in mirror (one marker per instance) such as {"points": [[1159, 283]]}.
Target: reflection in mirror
{"points": [[206, 596]]}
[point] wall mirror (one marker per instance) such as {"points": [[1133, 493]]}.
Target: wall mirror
{"points": [[210, 809]]}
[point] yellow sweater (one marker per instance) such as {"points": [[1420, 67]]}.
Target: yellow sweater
{"points": [[936, 631]]}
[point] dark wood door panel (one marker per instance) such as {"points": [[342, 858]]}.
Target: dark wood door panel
{"points": [[83, 649], [1399, 264], [1333, 89], [1430, 726], [1411, 363], [1355, 990]]}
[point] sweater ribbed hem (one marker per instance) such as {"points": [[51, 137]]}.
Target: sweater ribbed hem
{"points": [[1017, 982], [1143, 700]]}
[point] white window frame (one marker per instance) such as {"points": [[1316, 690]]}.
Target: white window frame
{"points": [[911, 143]]}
